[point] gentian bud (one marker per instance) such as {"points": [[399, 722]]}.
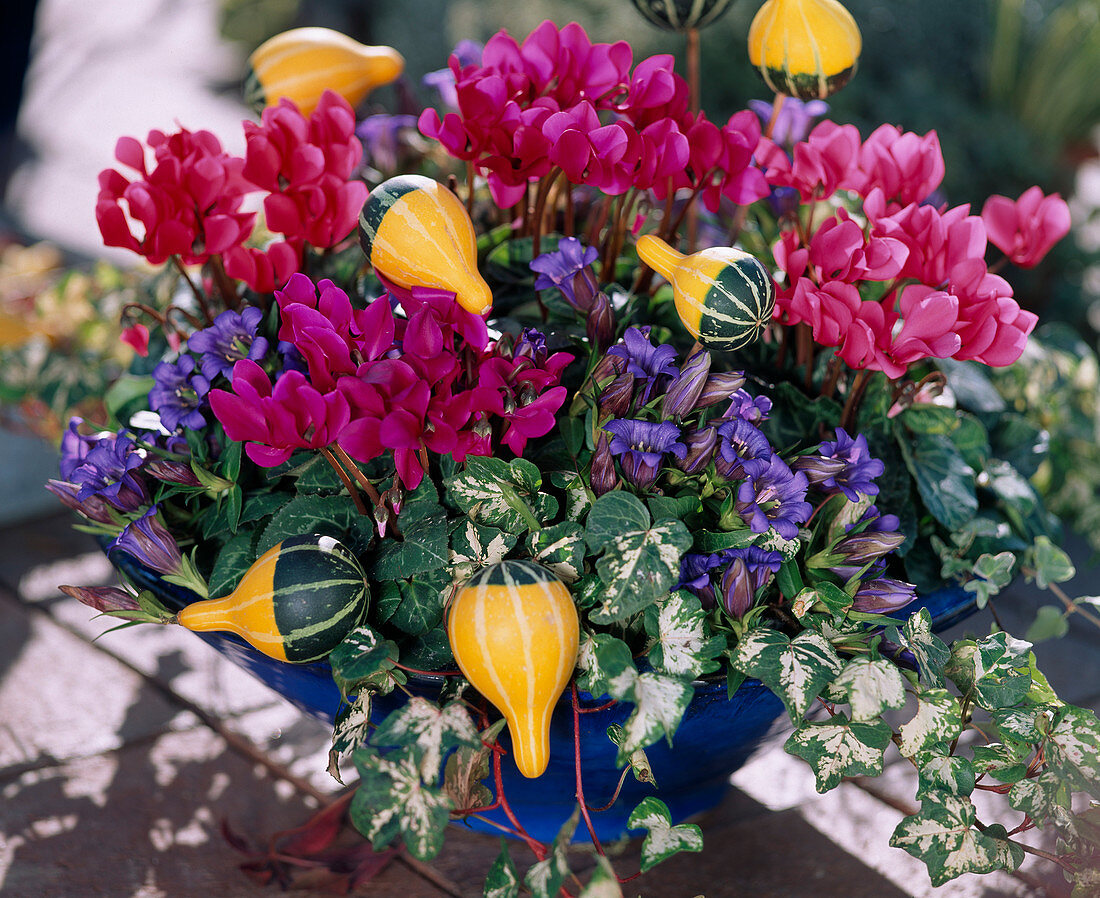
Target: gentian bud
{"points": [[584, 289], [737, 591], [171, 472], [701, 444], [608, 366], [150, 543], [720, 387], [600, 324], [617, 396], [103, 598], [883, 596], [93, 508], [684, 391], [864, 547], [816, 468], [604, 478]]}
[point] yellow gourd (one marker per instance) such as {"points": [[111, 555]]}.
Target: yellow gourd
{"points": [[514, 632], [416, 233], [303, 63], [804, 48], [724, 296]]}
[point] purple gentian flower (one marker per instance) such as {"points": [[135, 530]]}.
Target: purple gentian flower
{"points": [[860, 471], [774, 498], [747, 407], [94, 508], [381, 137], [695, 570], [883, 596], [179, 394], [230, 338], [743, 450], [292, 358], [109, 471], [466, 53], [560, 268], [641, 447], [74, 447], [149, 542], [875, 522], [794, 120], [645, 361]]}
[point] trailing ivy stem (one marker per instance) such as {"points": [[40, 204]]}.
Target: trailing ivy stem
{"points": [[537, 847], [1072, 606], [577, 766], [200, 298], [615, 794], [360, 477], [349, 484]]}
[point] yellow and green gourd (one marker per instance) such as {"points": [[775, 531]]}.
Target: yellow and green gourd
{"points": [[514, 632], [804, 48], [303, 63], [682, 15], [295, 603], [416, 233], [724, 296]]}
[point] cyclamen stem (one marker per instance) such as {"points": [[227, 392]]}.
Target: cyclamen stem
{"points": [[200, 297], [359, 476], [346, 480], [226, 287]]}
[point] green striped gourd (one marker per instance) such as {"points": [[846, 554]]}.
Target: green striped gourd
{"points": [[416, 233], [682, 15], [295, 603], [724, 296], [514, 632]]}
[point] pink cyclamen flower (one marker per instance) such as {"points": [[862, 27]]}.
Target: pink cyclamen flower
{"points": [[822, 163], [306, 166], [136, 336], [187, 205], [274, 422], [904, 165], [1025, 230], [264, 270]]}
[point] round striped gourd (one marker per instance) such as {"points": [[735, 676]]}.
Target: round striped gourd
{"points": [[682, 15], [514, 632], [303, 63], [295, 603], [724, 296], [804, 48], [416, 233]]}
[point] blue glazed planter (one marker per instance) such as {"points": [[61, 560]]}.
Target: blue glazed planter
{"points": [[716, 735]]}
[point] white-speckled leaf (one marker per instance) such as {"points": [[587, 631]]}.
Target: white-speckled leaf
{"points": [[578, 499], [603, 882], [1073, 749], [937, 720], [502, 880], [560, 548], [942, 835], [429, 731], [796, 669], [352, 726], [931, 652], [662, 839], [872, 686], [683, 646], [474, 546], [545, 878], [1041, 797], [995, 670], [603, 660], [837, 748], [941, 772], [639, 567], [659, 703], [490, 489]]}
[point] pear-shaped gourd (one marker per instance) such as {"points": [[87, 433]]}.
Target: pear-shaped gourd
{"points": [[514, 632], [804, 48], [682, 15], [295, 603], [724, 296], [303, 63], [416, 233]]}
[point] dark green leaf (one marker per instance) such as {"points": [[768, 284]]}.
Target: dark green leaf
{"points": [[502, 494], [422, 548], [422, 601], [972, 388], [431, 651], [944, 479], [995, 670], [325, 515], [260, 505], [708, 542], [931, 652], [664, 508], [942, 772], [503, 880], [234, 558], [362, 661]]}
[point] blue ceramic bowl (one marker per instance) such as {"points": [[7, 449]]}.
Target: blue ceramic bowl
{"points": [[717, 734]]}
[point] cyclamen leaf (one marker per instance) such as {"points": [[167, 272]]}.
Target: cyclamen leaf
{"points": [[796, 669], [942, 834], [603, 882], [363, 661], [944, 480], [502, 881], [352, 726], [494, 492], [422, 548], [872, 686], [545, 878], [937, 720], [422, 602], [560, 548], [604, 659], [662, 839], [234, 558], [637, 568], [392, 800], [931, 652], [429, 731], [837, 748], [659, 703], [683, 648], [1073, 748], [326, 515]]}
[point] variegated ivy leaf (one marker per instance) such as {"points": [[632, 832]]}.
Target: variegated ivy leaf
{"points": [[659, 703], [683, 645], [474, 546], [612, 515], [937, 720], [639, 760], [603, 882], [637, 568], [545, 878], [931, 652], [503, 880], [351, 729], [939, 772], [502, 494], [428, 731], [363, 661], [578, 498], [943, 835], [1021, 724], [1005, 763], [1073, 748], [604, 660], [837, 748], [467, 767], [822, 597], [994, 671], [392, 800], [662, 838], [872, 686], [1041, 796], [794, 669], [560, 548]]}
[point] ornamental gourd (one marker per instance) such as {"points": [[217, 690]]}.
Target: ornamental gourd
{"points": [[295, 603], [416, 233], [682, 15], [514, 632], [724, 296], [303, 63], [804, 48]]}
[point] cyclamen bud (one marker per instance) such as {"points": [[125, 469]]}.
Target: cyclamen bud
{"points": [[883, 596], [685, 389], [617, 397], [600, 325], [604, 478], [720, 387], [701, 444]]}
